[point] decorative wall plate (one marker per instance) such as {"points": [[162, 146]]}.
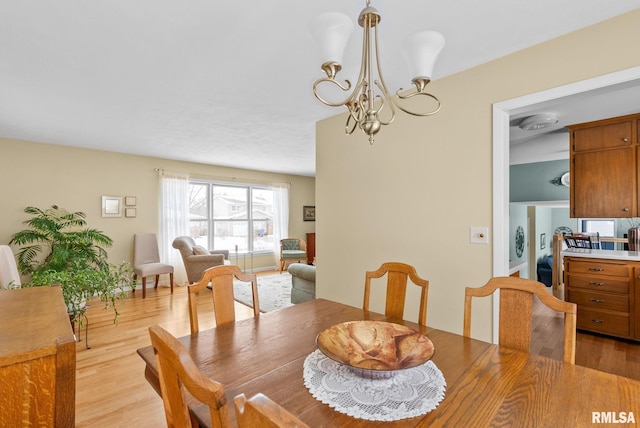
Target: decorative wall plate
{"points": [[519, 241], [565, 230]]}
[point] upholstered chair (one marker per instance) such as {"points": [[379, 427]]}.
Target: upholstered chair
{"points": [[146, 260], [9, 276], [292, 249], [197, 259]]}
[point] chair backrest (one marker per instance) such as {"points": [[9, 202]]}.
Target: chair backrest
{"points": [[516, 310], [145, 249], [293, 244], [221, 279], [9, 276], [397, 274], [185, 245], [261, 411], [588, 241], [176, 370]]}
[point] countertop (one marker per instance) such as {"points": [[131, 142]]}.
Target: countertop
{"points": [[516, 266], [602, 254]]}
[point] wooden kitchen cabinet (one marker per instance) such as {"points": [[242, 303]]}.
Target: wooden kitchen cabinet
{"points": [[605, 292], [604, 168]]}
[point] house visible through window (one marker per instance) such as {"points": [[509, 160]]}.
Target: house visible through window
{"points": [[231, 217]]}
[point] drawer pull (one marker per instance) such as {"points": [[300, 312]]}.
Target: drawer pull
{"points": [[597, 269], [597, 300], [597, 320], [598, 284]]}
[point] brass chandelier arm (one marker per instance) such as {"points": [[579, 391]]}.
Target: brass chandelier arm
{"points": [[413, 94], [352, 115], [345, 88], [385, 96]]}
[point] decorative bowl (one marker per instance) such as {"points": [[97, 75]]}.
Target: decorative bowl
{"points": [[375, 349]]}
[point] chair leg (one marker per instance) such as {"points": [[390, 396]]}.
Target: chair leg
{"points": [[144, 287], [171, 281], [157, 281], [135, 280]]}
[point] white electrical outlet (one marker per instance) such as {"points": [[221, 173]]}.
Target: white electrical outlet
{"points": [[479, 235]]}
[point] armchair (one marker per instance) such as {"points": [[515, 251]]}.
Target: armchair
{"points": [[292, 249], [196, 258]]}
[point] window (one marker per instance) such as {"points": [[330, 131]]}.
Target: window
{"points": [[231, 217], [605, 227]]}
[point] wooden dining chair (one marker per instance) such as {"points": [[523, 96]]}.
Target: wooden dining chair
{"points": [[221, 279], [176, 370], [261, 411], [516, 304], [583, 240], [397, 274]]}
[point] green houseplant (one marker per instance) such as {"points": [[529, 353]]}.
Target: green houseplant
{"points": [[58, 248]]}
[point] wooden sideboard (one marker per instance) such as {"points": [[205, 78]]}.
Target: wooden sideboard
{"points": [[606, 294], [37, 359], [311, 248]]}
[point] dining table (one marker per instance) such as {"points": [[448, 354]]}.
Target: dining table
{"points": [[485, 384]]}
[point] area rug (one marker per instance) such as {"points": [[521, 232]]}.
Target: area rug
{"points": [[274, 292]]}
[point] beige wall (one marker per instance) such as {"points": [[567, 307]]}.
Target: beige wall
{"points": [[35, 174], [415, 193]]}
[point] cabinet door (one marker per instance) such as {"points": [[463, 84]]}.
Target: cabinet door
{"points": [[603, 184], [602, 137]]}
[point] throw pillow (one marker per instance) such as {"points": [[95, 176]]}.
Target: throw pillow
{"points": [[200, 250]]}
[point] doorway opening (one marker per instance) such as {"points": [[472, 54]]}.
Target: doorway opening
{"points": [[501, 154]]}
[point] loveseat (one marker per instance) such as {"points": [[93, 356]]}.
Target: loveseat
{"points": [[303, 282], [543, 270]]}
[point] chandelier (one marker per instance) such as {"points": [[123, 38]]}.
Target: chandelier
{"points": [[369, 103]]}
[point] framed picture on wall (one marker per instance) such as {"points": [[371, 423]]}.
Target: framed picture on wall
{"points": [[543, 241], [309, 213], [111, 206]]}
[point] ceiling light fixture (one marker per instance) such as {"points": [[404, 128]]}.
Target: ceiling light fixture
{"points": [[367, 103], [538, 121]]}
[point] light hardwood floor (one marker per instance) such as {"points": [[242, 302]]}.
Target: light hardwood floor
{"points": [[111, 390]]}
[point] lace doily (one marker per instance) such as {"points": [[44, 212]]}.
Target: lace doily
{"points": [[408, 393]]}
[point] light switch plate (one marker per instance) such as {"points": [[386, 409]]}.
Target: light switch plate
{"points": [[479, 235]]}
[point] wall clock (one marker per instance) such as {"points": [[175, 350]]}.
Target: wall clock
{"points": [[519, 241]]}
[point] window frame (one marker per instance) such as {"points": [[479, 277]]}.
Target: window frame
{"points": [[211, 221]]}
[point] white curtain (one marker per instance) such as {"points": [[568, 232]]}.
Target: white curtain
{"points": [[280, 216], [173, 219]]}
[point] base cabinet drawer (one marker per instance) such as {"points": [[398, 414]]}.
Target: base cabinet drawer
{"points": [[599, 283], [599, 268], [604, 322], [612, 302]]}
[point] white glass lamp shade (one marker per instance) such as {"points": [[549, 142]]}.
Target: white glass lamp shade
{"points": [[421, 51], [331, 32]]}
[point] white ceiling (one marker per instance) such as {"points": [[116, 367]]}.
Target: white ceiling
{"points": [[226, 83]]}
